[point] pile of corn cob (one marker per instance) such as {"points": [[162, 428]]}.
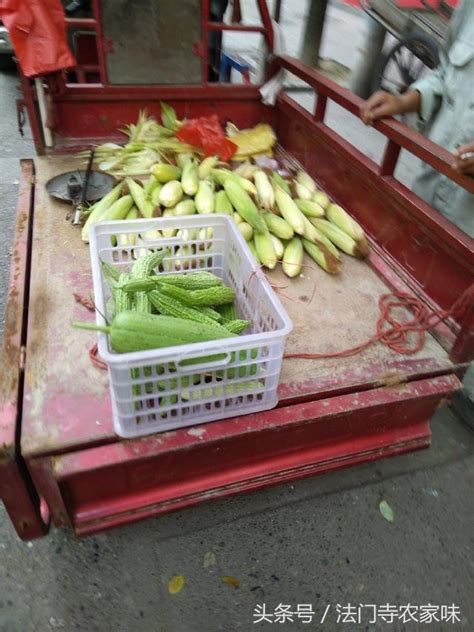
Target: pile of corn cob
{"points": [[280, 218]]}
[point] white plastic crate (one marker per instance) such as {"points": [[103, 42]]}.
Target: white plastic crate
{"points": [[155, 390]]}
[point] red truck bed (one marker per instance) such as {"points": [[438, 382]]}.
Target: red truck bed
{"points": [[58, 450]]}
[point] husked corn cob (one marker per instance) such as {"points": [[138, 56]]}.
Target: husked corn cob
{"points": [[279, 247], [245, 230], [163, 172], [171, 193], [301, 191], [338, 237], [222, 203], [98, 210], [204, 199], [290, 211], [206, 166], [279, 181], [265, 192], [119, 209], [278, 226], [185, 207], [224, 175], [265, 250], [321, 198], [253, 250], [145, 206], [338, 216], [310, 208], [322, 256], [306, 180], [293, 257], [316, 236], [244, 205], [189, 178], [168, 232]]}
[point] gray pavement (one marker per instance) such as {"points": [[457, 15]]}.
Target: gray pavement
{"points": [[319, 541]]}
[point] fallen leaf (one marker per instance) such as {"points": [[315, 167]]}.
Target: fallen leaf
{"points": [[386, 510], [231, 581], [176, 584], [209, 559]]}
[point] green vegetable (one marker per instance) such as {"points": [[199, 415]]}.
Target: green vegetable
{"points": [[136, 331], [207, 297]]}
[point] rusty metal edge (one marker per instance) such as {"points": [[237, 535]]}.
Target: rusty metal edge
{"points": [[17, 490]]}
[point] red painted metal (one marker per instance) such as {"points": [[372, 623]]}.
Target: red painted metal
{"points": [[434, 253], [16, 489], [330, 415], [463, 348], [119, 483], [434, 155]]}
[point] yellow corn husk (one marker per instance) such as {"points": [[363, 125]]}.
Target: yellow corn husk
{"points": [[265, 250], [265, 192], [236, 217], [301, 191], [185, 207], [338, 237], [251, 142], [321, 198], [222, 204], [204, 199], [206, 166], [155, 196], [171, 193], [145, 206], [246, 231], [293, 258], [163, 172], [340, 218], [290, 211], [310, 208], [306, 180], [243, 204], [317, 237], [278, 226], [169, 232], [99, 209], [322, 257], [279, 247], [253, 250], [189, 178]]}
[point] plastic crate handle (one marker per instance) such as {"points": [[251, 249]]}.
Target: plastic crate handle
{"points": [[191, 364]]}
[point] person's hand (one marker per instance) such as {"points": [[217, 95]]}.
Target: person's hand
{"points": [[464, 165], [380, 105]]}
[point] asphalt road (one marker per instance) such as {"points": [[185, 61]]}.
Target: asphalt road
{"points": [[320, 541]]}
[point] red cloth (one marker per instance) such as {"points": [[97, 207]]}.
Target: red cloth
{"points": [[206, 132], [38, 33]]}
